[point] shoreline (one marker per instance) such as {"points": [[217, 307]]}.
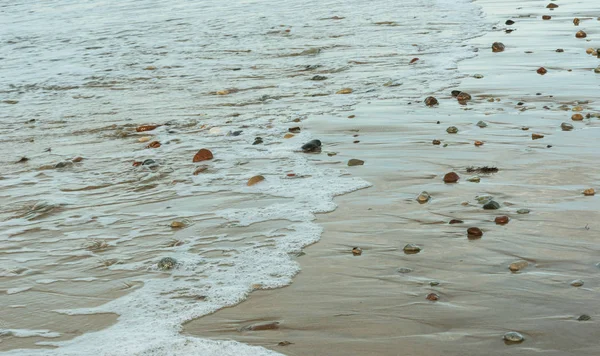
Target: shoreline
{"points": [[342, 304]]}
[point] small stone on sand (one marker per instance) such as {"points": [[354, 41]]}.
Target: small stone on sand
{"points": [[355, 162], [255, 180], [518, 265], [491, 205], [411, 249], [577, 283], [589, 192], [451, 177], [513, 337]]}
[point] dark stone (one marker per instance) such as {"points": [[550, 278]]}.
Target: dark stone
{"points": [[258, 141], [312, 146], [491, 205], [455, 221], [584, 317], [318, 77], [509, 22]]}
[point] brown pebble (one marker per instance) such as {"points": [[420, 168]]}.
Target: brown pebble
{"points": [[536, 136], [357, 251], [436, 142], [413, 60], [351, 116], [431, 101], [581, 34], [432, 296], [255, 180], [474, 232], [344, 91], [288, 135], [576, 21], [577, 117], [589, 192], [518, 265], [144, 128], [203, 155], [200, 170], [177, 225], [478, 143], [153, 144], [497, 47], [455, 221], [551, 6], [77, 159], [294, 129], [525, 128], [542, 71], [546, 17], [284, 343], [501, 220], [462, 96], [451, 177]]}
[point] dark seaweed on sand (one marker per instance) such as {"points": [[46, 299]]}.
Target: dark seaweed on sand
{"points": [[482, 170]]}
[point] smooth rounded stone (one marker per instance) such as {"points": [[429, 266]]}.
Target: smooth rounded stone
{"points": [[584, 317], [344, 91], [235, 133], [462, 96], [478, 76], [77, 159], [455, 93], [433, 297], [411, 249], [431, 101], [177, 224], [355, 162], [546, 17], [536, 136], [312, 146], [491, 205], [318, 77], [423, 197], [501, 220], [434, 283], [483, 199], [597, 70], [285, 343], [577, 283], [202, 155], [258, 141], [64, 164], [478, 143], [357, 251], [288, 135], [576, 21], [144, 139], [452, 130], [149, 162], [577, 108], [404, 270], [523, 211], [455, 221], [153, 144], [551, 6], [577, 117], [451, 177], [542, 71], [589, 192], [474, 179], [518, 265], [566, 126], [497, 47], [513, 337], [145, 128], [167, 263], [481, 124], [559, 50], [294, 129], [436, 142], [255, 180], [509, 22], [581, 34], [474, 233]]}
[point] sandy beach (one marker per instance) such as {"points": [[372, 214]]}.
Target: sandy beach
{"points": [[375, 303]]}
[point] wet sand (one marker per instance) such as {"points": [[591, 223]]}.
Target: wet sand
{"points": [[342, 304]]}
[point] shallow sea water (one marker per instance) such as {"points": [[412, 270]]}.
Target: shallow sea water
{"points": [[78, 77]]}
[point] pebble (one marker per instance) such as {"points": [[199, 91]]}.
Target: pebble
{"points": [[177, 224], [411, 249], [432, 296], [597, 70], [355, 162], [566, 126], [144, 128], [536, 136], [344, 91], [312, 146], [434, 283], [584, 317], [144, 139], [431, 101], [318, 77], [474, 233], [462, 96], [451, 177], [518, 265], [576, 21], [203, 155], [577, 108], [153, 144], [455, 93], [77, 159], [481, 124], [483, 199], [149, 162], [523, 211], [474, 179], [436, 142], [215, 131], [423, 197], [284, 343], [167, 263], [357, 251], [478, 143], [200, 169], [546, 17], [288, 135], [509, 22], [581, 34], [577, 117], [455, 221], [491, 205], [513, 337], [542, 71], [257, 141], [551, 6], [452, 130], [497, 47], [589, 192], [577, 283], [501, 220], [404, 270], [560, 50], [255, 180], [478, 76]]}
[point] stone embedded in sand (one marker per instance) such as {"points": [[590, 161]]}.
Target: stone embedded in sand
{"points": [[357, 251], [560, 50], [536, 136], [577, 108], [77, 159], [478, 76], [481, 124], [551, 6], [411, 249], [451, 177], [576, 21], [455, 221], [589, 192], [590, 50], [566, 126], [577, 283], [452, 130], [546, 17], [509, 22], [318, 77], [474, 179], [167, 263], [355, 162], [523, 211], [462, 96], [222, 92], [436, 142], [177, 224], [542, 71], [478, 143], [312, 146], [257, 141], [153, 144], [413, 60], [424, 197], [577, 117], [203, 155], [294, 130], [432, 296], [513, 337], [285, 343], [491, 205], [584, 317], [144, 128], [501, 220], [474, 232], [431, 101], [581, 34], [144, 139], [518, 265], [455, 93], [597, 69], [497, 47], [344, 91], [288, 135], [255, 180]]}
